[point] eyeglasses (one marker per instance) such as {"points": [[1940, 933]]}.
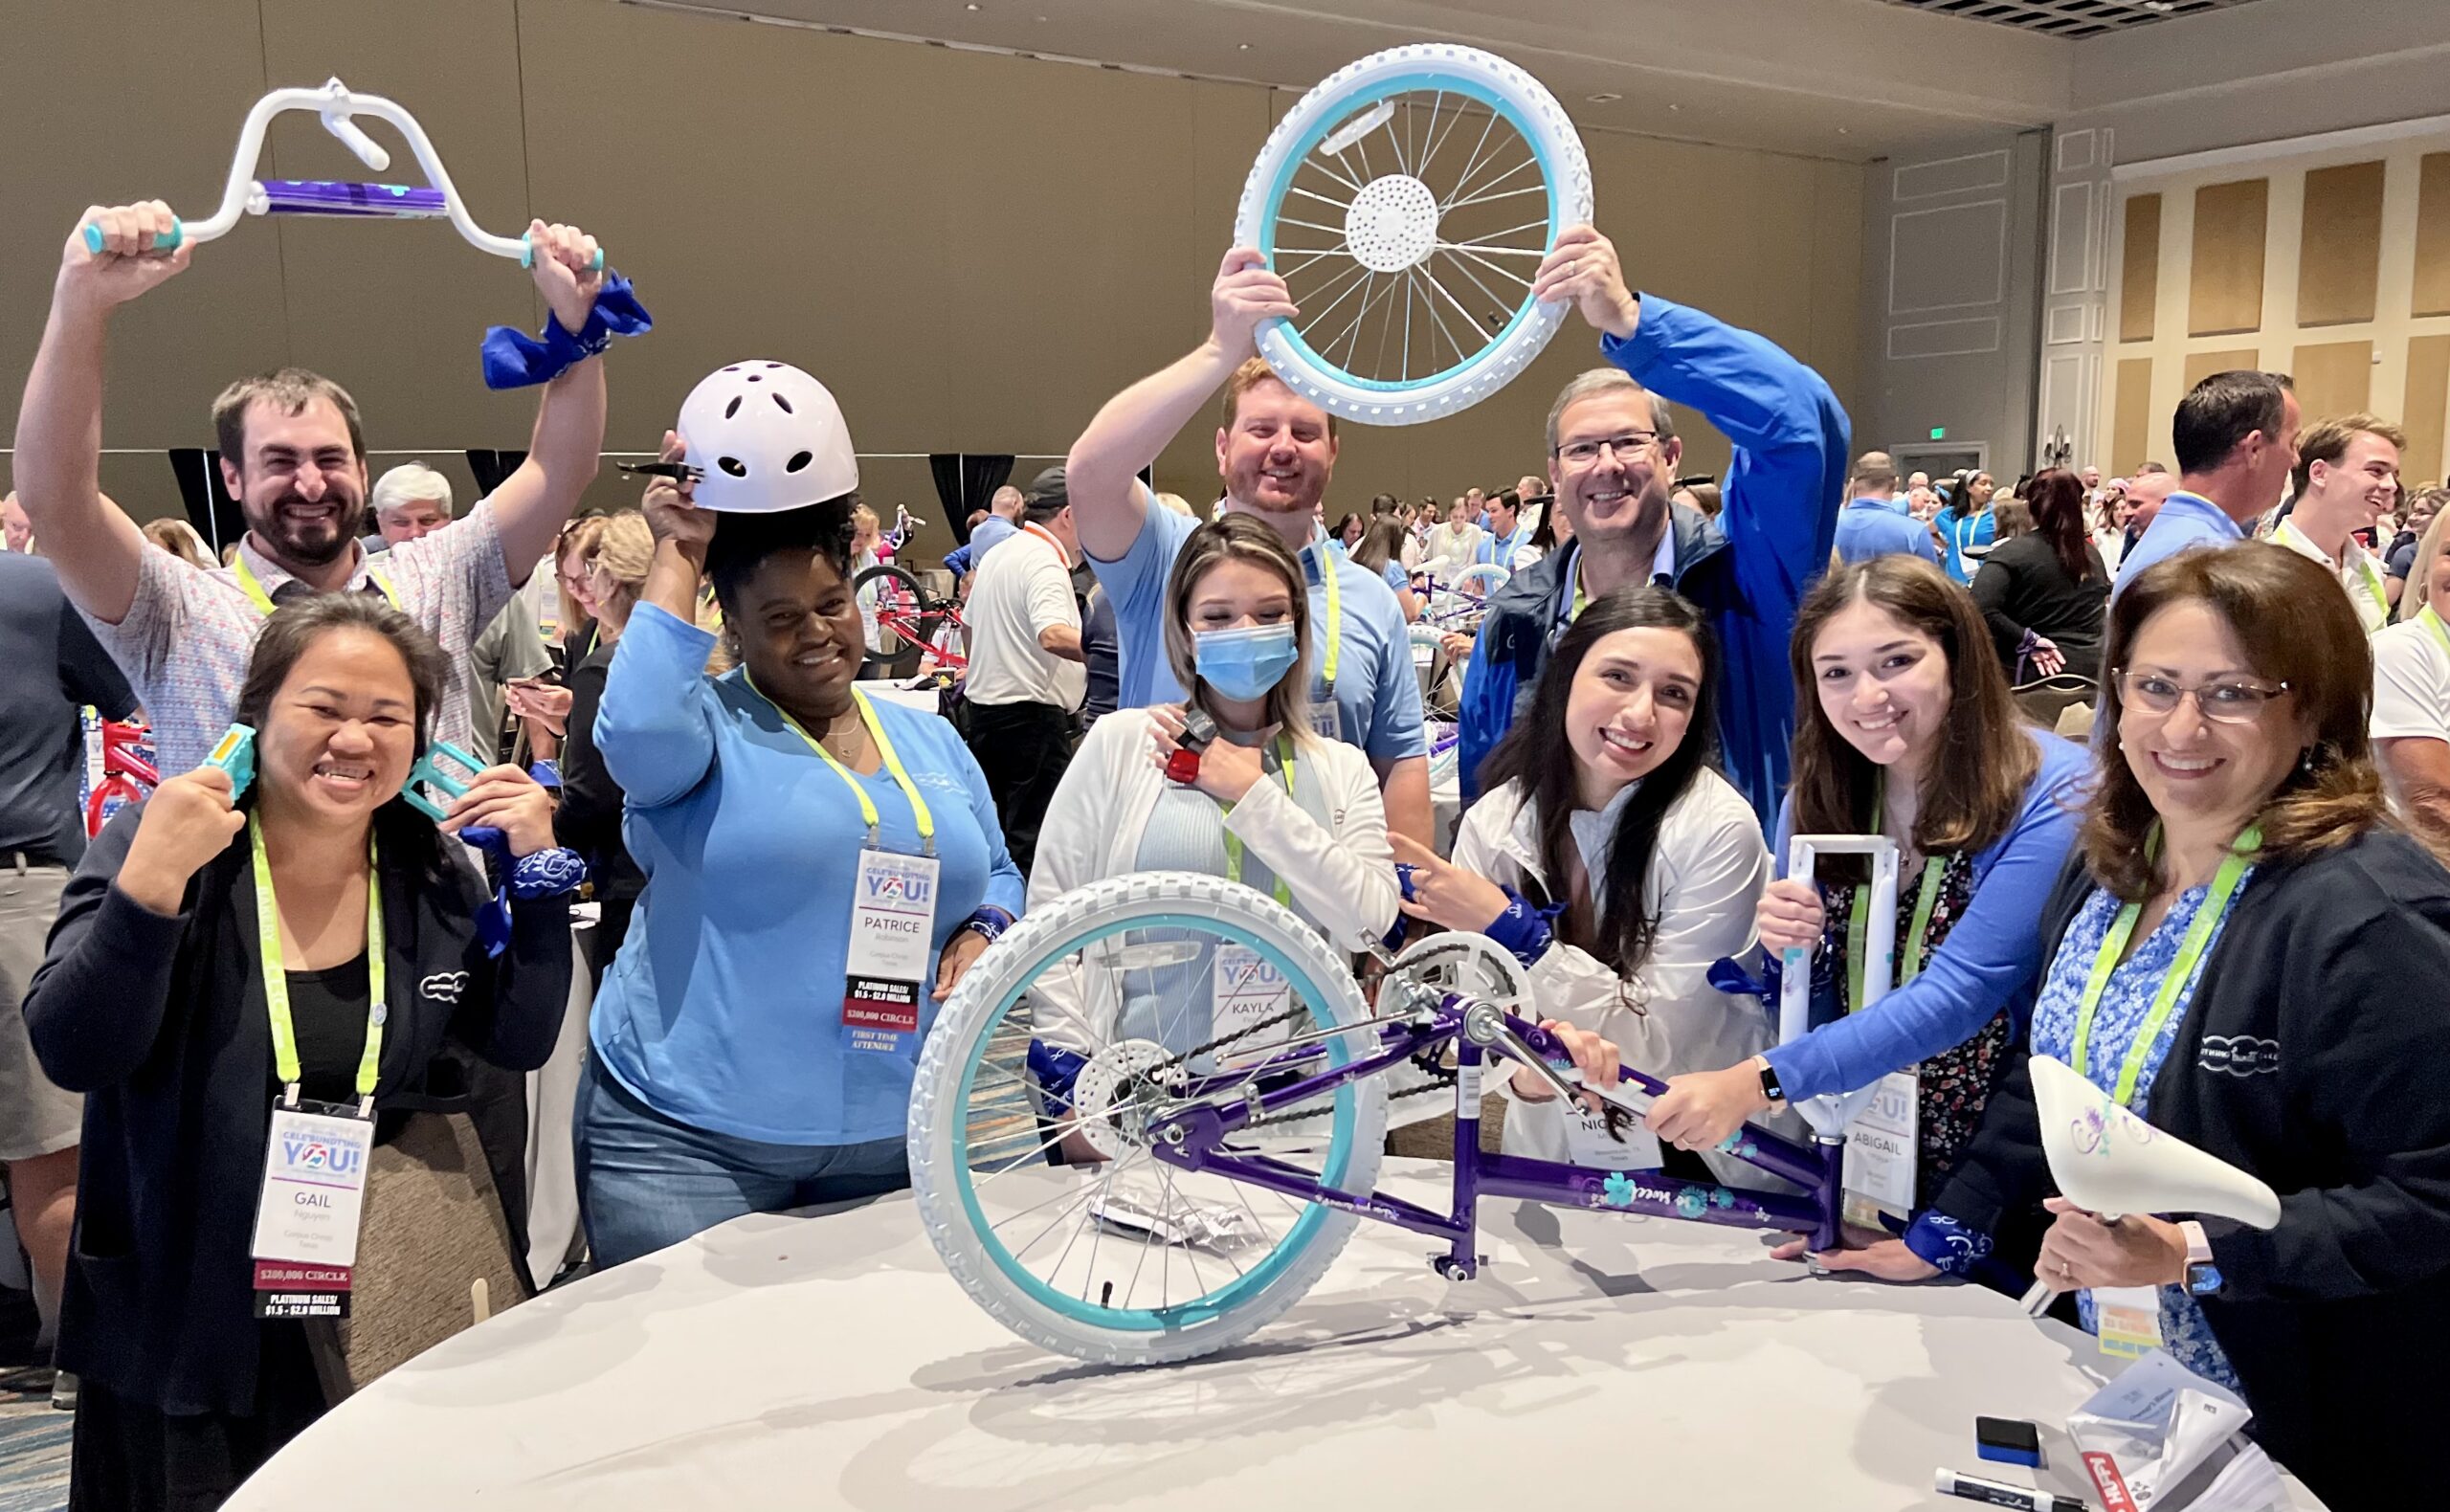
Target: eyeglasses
{"points": [[1582, 453], [2222, 703]]}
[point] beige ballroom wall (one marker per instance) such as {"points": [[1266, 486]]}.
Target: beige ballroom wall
{"points": [[973, 251]]}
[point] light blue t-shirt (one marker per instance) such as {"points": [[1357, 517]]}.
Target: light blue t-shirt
{"points": [[1499, 550], [723, 1010], [1980, 528], [1377, 694], [1878, 527], [2186, 519]]}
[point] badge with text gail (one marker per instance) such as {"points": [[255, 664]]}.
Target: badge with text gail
{"points": [[306, 1217], [893, 915]]}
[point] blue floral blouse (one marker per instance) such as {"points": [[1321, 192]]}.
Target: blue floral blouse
{"points": [[2127, 1002]]}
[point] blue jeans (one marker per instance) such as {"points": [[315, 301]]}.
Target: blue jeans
{"points": [[646, 1181]]}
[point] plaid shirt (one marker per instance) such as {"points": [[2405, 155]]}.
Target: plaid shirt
{"points": [[186, 639]]}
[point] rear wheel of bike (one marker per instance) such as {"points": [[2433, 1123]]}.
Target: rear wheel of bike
{"points": [[1063, 1037], [896, 619]]}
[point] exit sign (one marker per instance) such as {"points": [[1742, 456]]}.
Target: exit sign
{"points": [[1939, 432]]}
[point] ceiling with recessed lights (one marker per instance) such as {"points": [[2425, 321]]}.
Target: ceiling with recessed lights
{"points": [[2072, 19], [1846, 79]]}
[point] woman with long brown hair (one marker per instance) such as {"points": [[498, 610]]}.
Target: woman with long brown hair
{"points": [[1909, 731], [2248, 955], [2044, 593]]}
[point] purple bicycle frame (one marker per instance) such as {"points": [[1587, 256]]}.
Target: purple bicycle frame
{"points": [[1193, 1139]]}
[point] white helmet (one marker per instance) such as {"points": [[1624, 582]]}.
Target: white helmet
{"points": [[766, 436]]}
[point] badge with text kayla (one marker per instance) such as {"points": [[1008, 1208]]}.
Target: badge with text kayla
{"points": [[307, 1218], [893, 915]]}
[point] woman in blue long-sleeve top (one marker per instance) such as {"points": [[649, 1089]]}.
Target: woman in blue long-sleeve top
{"points": [[739, 1067], [1912, 734]]}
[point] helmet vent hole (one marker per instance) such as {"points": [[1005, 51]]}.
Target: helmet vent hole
{"points": [[756, 378], [732, 465], [732, 409], [799, 460], [784, 403]]}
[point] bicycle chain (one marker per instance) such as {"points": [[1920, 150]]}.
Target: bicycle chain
{"points": [[1440, 1077]]}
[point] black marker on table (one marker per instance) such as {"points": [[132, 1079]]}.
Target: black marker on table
{"points": [[1999, 1494]]}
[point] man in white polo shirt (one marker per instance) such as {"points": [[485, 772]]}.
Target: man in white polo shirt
{"points": [[1027, 671], [2348, 478]]}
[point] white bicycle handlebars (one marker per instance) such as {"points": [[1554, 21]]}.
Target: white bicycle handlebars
{"points": [[335, 105]]}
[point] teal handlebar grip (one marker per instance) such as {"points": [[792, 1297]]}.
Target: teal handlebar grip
{"points": [[167, 241]]}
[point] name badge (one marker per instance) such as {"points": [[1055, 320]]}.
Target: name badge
{"points": [[307, 1212], [893, 916], [2128, 1320], [1326, 719], [1245, 992], [1882, 1146]]}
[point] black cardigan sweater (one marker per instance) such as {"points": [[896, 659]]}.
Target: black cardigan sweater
{"points": [[161, 1023], [2313, 1055]]}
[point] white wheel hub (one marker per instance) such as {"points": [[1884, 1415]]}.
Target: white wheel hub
{"points": [[1392, 224], [1107, 1116]]}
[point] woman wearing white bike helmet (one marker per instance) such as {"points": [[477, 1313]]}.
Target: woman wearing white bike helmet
{"points": [[820, 870]]}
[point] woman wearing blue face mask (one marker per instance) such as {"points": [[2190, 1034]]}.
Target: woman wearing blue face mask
{"points": [[1273, 806]]}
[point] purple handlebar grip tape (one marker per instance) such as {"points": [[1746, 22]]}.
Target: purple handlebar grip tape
{"points": [[328, 197]]}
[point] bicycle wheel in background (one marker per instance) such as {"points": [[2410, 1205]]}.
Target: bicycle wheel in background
{"points": [[1407, 201], [894, 619]]}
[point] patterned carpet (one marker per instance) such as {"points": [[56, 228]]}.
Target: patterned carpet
{"points": [[34, 1455]]}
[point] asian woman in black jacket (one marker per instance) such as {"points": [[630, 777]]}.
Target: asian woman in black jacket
{"points": [[2250, 954], [158, 1001]]}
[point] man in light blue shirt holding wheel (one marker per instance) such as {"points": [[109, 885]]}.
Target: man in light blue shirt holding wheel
{"points": [[1275, 453]]}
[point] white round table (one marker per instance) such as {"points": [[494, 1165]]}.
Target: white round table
{"points": [[827, 1361]]}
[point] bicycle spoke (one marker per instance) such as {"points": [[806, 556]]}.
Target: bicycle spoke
{"points": [[1484, 195], [1408, 331], [1352, 332], [1437, 141], [1311, 224], [1455, 196], [1471, 164], [1191, 1256], [1459, 253], [1332, 169], [1459, 354], [1488, 242], [1459, 308], [1319, 319], [1296, 189], [1476, 281]]}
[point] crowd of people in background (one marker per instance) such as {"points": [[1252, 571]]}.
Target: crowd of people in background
{"points": [[2166, 758]]}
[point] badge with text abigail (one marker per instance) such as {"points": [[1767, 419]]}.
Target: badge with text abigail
{"points": [[893, 914], [306, 1216]]}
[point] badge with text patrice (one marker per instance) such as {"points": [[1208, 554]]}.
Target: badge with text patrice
{"points": [[893, 913], [306, 1216]]}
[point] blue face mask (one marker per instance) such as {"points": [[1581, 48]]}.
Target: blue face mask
{"points": [[1244, 663]]}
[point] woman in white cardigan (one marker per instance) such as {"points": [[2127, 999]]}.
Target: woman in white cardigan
{"points": [[1274, 806], [1618, 865]]}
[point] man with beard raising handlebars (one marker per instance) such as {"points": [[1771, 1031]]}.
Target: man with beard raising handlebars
{"points": [[294, 455]]}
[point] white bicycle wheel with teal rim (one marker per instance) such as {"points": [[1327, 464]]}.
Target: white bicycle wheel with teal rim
{"points": [[1126, 1260], [1407, 201]]}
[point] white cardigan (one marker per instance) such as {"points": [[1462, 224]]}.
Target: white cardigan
{"points": [[1705, 879], [1327, 842]]}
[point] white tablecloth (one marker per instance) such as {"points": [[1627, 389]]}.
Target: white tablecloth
{"points": [[829, 1362]]}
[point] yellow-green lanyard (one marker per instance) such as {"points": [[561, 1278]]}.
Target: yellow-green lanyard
{"points": [[1855, 930], [1234, 842], [1335, 617], [251, 585], [1858, 921], [926, 820], [2432, 622], [2372, 578], [2198, 935], [284, 1029]]}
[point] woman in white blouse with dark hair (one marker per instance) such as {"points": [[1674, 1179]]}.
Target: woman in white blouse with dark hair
{"points": [[1618, 865]]}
